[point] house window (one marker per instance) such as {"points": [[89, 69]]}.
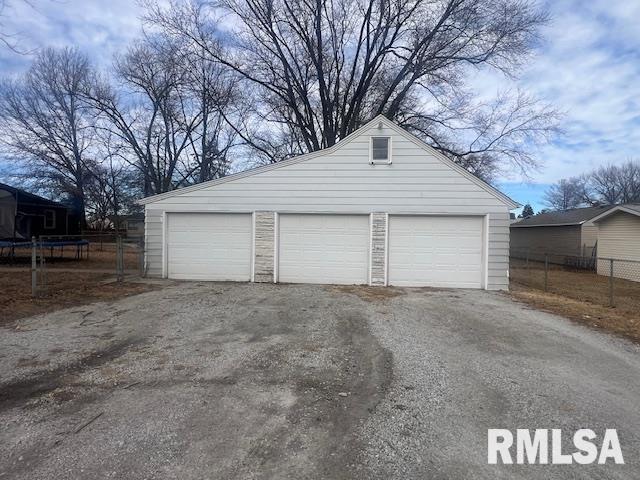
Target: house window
{"points": [[380, 150], [49, 219]]}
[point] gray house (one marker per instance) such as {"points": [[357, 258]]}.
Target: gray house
{"points": [[380, 208], [564, 233]]}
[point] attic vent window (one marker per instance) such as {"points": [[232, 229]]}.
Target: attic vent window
{"points": [[380, 150]]}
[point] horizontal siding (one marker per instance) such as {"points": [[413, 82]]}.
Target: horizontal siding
{"points": [[153, 242], [619, 237], [343, 181], [589, 237], [563, 240]]}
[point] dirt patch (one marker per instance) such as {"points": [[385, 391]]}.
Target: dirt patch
{"points": [[370, 294], [63, 289], [620, 321], [47, 381]]}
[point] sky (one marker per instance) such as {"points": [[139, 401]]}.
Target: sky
{"points": [[587, 66]]}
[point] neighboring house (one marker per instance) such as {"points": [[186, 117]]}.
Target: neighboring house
{"points": [[23, 215], [380, 207], [619, 239], [563, 233], [132, 225]]}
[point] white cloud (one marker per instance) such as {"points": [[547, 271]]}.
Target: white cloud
{"points": [[100, 28], [588, 68]]}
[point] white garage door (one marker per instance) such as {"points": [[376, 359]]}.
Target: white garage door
{"points": [[324, 249], [209, 246], [435, 251]]}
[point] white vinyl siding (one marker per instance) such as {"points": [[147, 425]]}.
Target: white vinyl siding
{"points": [[619, 238], [209, 246], [438, 251], [343, 181], [324, 249]]}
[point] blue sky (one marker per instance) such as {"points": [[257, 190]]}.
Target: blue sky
{"points": [[587, 66]]}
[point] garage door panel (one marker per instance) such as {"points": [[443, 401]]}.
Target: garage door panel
{"points": [[435, 251], [209, 246], [323, 249]]}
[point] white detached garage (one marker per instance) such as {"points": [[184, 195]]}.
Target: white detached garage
{"points": [[378, 208]]}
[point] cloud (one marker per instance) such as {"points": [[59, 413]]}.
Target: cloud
{"points": [[588, 68], [99, 28]]}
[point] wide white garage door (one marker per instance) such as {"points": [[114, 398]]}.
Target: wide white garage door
{"points": [[324, 249], [435, 251], [209, 246]]}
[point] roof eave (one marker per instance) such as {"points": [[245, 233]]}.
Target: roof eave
{"points": [[572, 224], [616, 209]]}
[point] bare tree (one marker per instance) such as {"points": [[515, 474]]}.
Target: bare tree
{"points": [[606, 185], [10, 40], [148, 117], [613, 184], [170, 114], [566, 194], [43, 122], [317, 70], [212, 94], [113, 185]]}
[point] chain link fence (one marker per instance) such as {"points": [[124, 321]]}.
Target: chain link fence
{"points": [[609, 282], [58, 263]]}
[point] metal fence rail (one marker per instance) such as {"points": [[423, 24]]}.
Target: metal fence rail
{"points": [[55, 261], [610, 282]]}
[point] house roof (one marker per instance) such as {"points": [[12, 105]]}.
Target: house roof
{"points": [[301, 158], [631, 208], [26, 197], [575, 216]]}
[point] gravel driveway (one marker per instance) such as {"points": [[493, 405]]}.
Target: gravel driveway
{"points": [[214, 380]]}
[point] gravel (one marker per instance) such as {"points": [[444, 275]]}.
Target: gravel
{"points": [[216, 380], [466, 361]]}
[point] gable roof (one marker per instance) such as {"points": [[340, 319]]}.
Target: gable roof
{"points": [[631, 208], [26, 197], [575, 216], [308, 156]]}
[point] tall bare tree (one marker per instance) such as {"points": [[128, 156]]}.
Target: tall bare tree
{"points": [[606, 185], [567, 194], [169, 112], [613, 184], [318, 69], [44, 124], [212, 94]]}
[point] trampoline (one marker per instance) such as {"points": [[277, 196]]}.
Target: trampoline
{"points": [[8, 247]]}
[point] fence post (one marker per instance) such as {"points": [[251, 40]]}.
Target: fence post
{"points": [[546, 271], [119, 259], [611, 282], [34, 268], [43, 270], [141, 257]]}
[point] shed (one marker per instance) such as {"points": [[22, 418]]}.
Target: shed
{"points": [[561, 233], [380, 207], [619, 240]]}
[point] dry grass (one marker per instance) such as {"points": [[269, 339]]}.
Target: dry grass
{"points": [[582, 285], [101, 257], [583, 297], [367, 293], [64, 289]]}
